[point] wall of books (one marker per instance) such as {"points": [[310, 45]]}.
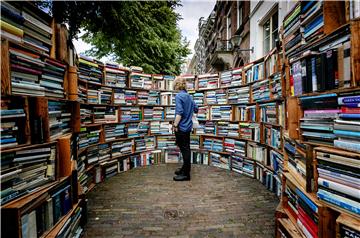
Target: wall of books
{"points": [[289, 119]]}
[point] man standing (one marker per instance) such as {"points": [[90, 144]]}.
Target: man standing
{"points": [[185, 107]]}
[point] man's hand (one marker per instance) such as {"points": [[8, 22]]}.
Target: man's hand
{"points": [[175, 128]]}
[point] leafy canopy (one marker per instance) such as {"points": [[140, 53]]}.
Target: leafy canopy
{"points": [[141, 33]]}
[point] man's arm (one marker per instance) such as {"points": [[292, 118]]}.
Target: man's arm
{"points": [[178, 112], [177, 120]]}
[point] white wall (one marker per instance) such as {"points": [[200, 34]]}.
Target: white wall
{"points": [[259, 11]]}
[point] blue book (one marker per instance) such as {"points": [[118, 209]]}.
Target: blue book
{"points": [[330, 95], [349, 115], [354, 146], [11, 112], [349, 99], [347, 133], [339, 201], [312, 205], [8, 140]]}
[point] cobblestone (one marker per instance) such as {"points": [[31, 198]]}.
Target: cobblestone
{"points": [[146, 202]]}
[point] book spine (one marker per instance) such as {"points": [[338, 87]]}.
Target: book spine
{"points": [[339, 201], [307, 200]]}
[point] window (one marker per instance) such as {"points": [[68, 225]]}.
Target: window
{"points": [[271, 35], [239, 14], [228, 29]]}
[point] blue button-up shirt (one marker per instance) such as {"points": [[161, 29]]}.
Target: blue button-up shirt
{"points": [[185, 107]]}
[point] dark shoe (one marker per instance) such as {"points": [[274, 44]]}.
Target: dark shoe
{"points": [[181, 177], [178, 171]]}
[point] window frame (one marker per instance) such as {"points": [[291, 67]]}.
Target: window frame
{"points": [[273, 33]]}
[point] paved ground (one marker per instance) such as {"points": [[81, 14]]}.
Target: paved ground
{"points": [[146, 202]]}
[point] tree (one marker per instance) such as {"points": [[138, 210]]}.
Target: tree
{"points": [[141, 33]]}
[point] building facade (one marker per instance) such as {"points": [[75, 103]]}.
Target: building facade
{"points": [[224, 38]]}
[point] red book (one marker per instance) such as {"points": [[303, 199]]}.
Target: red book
{"points": [[25, 69], [350, 110], [307, 222]]}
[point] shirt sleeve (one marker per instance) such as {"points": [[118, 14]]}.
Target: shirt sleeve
{"points": [[179, 109]]}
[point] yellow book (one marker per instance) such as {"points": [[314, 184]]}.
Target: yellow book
{"points": [[11, 29], [88, 63]]}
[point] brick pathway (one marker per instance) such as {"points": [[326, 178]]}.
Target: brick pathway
{"points": [[146, 202]]}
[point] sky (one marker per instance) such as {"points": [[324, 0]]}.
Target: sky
{"points": [[191, 11]]}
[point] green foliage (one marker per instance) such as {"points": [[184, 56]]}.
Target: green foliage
{"points": [[141, 33]]}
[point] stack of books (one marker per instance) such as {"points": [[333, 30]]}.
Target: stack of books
{"points": [[158, 82], [338, 181], [173, 156], [276, 163], [136, 161], [272, 136], [130, 97], [201, 129], [93, 94], [154, 113], [221, 97], [11, 120], [104, 152], [93, 136], [248, 167], [169, 82], [190, 81], [220, 161], [154, 98], [261, 91], [194, 142], [241, 113], [347, 125], [229, 145], [113, 132], [198, 98], [169, 113], [167, 98], [138, 129], [221, 113], [203, 113], [208, 81], [237, 163], [239, 147], [162, 128], [83, 140], [252, 112], [166, 142], [142, 97], [119, 96], [26, 68], [85, 115], [257, 152], [109, 169], [92, 155], [59, 119], [323, 68], [238, 95], [250, 131], [211, 97], [155, 127], [140, 80], [140, 144], [210, 128], [255, 73], [312, 22], [296, 158], [150, 142], [236, 77], [225, 78], [292, 34], [105, 114], [26, 170], [52, 78], [114, 76], [276, 86], [318, 122], [213, 144], [199, 158], [27, 25], [105, 95], [90, 70], [268, 113], [82, 92], [228, 129], [121, 148], [130, 114]]}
